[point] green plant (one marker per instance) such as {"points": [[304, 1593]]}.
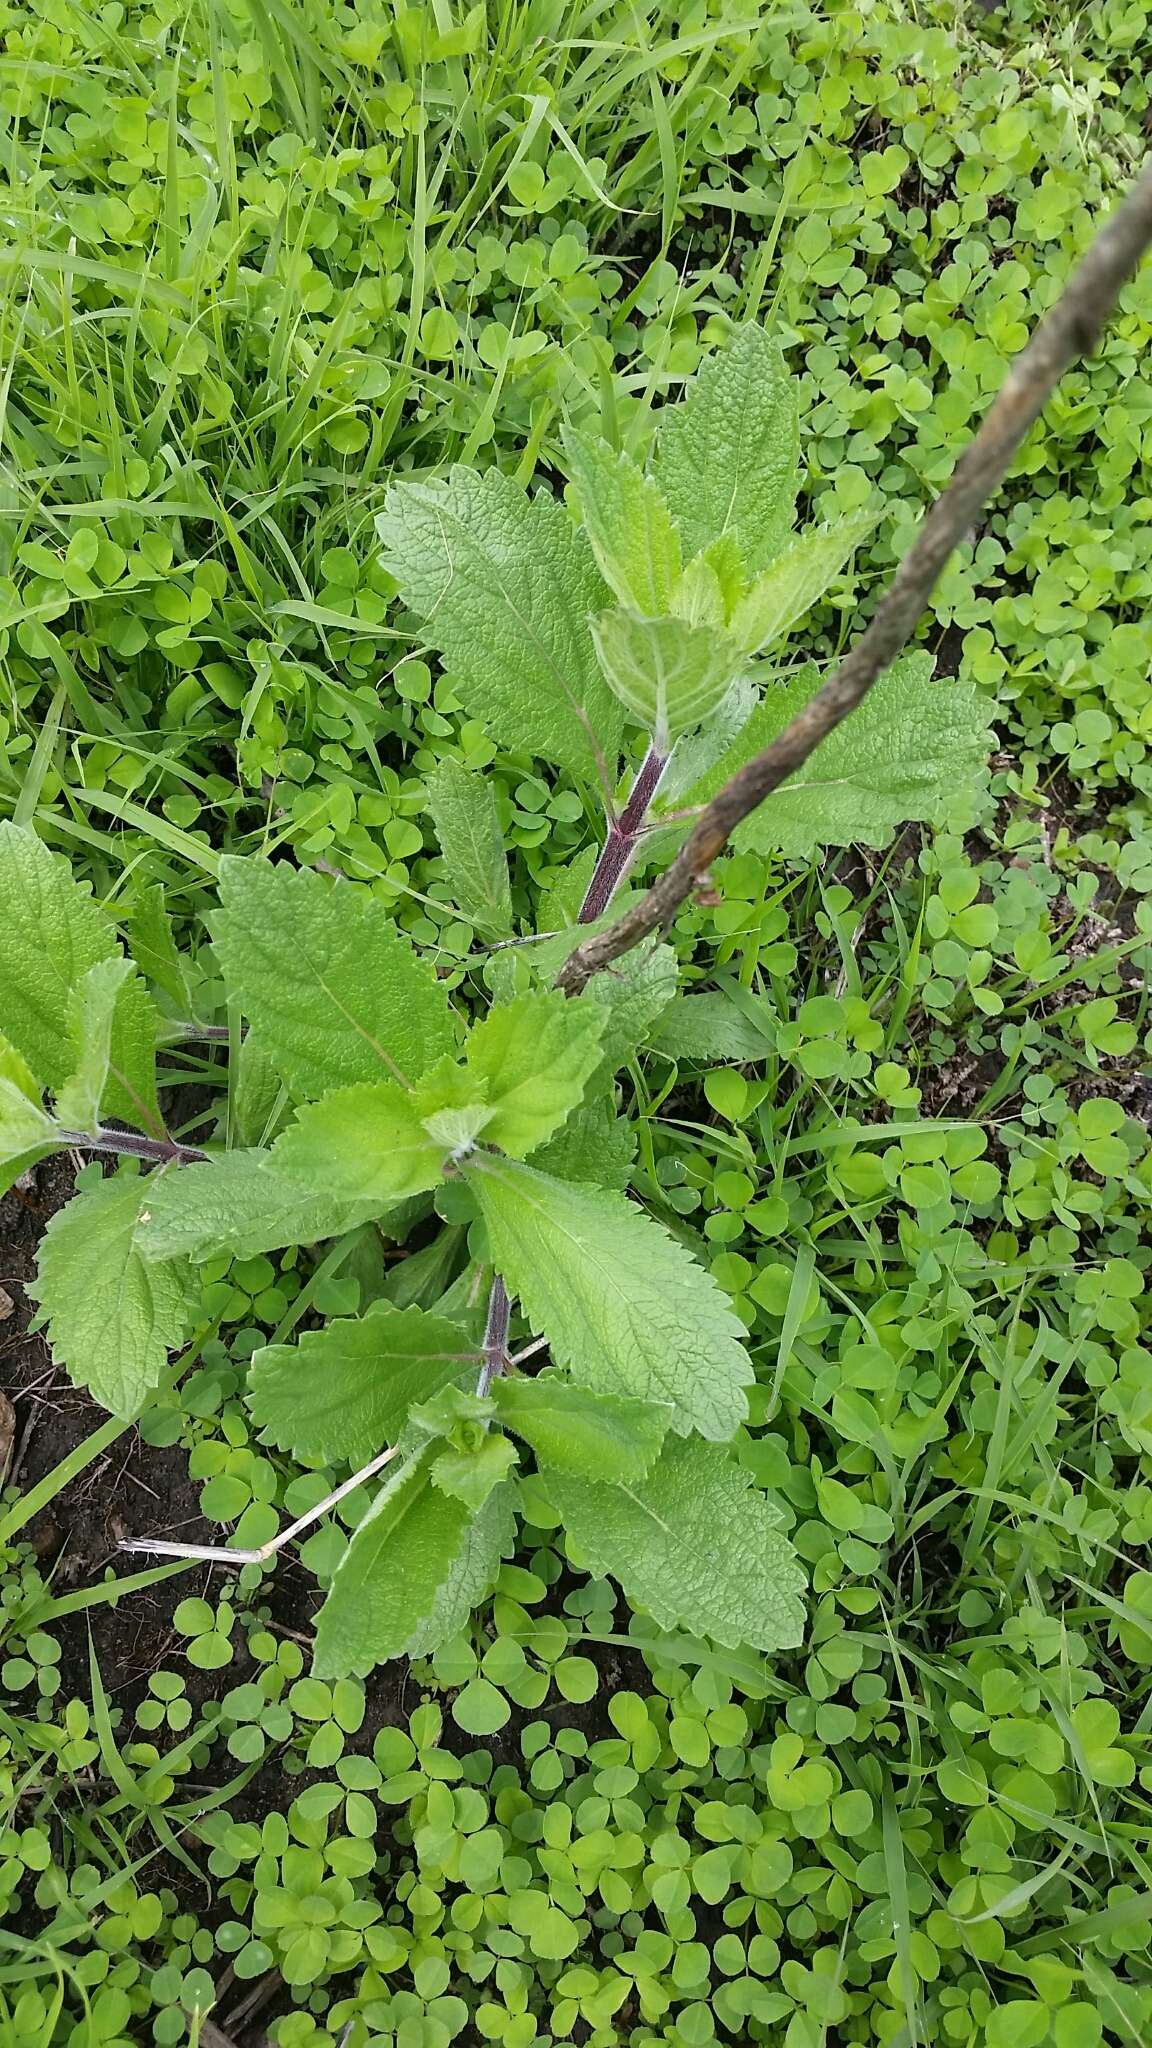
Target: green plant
{"points": [[888, 1108], [648, 1372]]}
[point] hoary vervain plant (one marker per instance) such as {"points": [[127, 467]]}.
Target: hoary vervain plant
{"points": [[659, 599]]}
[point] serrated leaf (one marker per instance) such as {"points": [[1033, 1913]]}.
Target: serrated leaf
{"points": [[794, 582], [130, 1088], [260, 1104], [726, 456], [387, 1583], [343, 1392], [454, 1405], [596, 1144], [591, 1435], [19, 1078], [471, 1475], [531, 1059], [506, 584], [628, 523], [490, 1537], [27, 1132], [152, 945], [699, 595], [670, 675], [91, 1012], [622, 1305], [695, 1544], [909, 746], [367, 1144], [238, 1202], [711, 1027], [695, 755], [463, 809], [333, 991], [53, 933], [112, 1316], [726, 562], [633, 995]]}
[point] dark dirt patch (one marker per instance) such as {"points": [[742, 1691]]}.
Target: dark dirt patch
{"points": [[130, 1488]]}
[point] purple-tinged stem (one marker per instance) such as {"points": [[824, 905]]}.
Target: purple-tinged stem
{"points": [[188, 1032], [158, 1151], [623, 837], [495, 1336]]}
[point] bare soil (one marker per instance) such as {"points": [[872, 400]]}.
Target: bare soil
{"points": [[133, 1488]]}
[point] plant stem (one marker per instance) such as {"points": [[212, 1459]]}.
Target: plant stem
{"points": [[215, 1553], [623, 837], [495, 1336], [158, 1151], [1070, 329], [186, 1030]]}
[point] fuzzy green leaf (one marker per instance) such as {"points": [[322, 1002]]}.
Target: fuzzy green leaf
{"points": [[53, 933], [112, 1316], [332, 989], [697, 753], [591, 1435], [909, 746], [694, 1543], [27, 1132], [344, 1392], [596, 1144], [260, 1104], [635, 994], [726, 456], [794, 582], [668, 674], [490, 1537], [152, 944], [713, 1027], [506, 584], [367, 1144], [628, 524], [471, 1475], [91, 1014], [531, 1059], [713, 583], [620, 1302], [239, 1203], [388, 1581], [699, 596], [463, 809]]}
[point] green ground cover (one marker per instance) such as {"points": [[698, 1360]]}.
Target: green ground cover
{"points": [[258, 262]]}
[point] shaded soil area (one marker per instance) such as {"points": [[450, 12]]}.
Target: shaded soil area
{"points": [[128, 1488]]}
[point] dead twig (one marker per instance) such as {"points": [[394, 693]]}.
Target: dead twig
{"points": [[218, 1553]]}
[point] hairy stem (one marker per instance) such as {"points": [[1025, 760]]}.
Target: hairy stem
{"points": [[1069, 330], [624, 834], [495, 1336], [158, 1151], [187, 1031]]}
